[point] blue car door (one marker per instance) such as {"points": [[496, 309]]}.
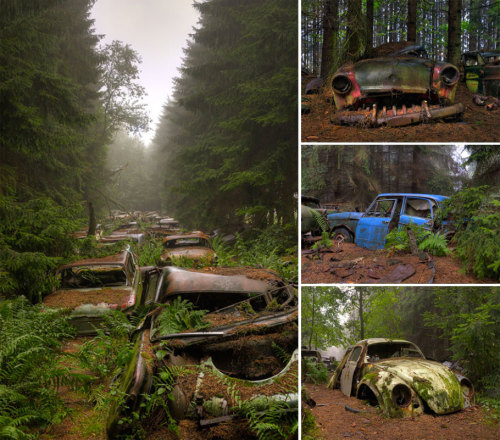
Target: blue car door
{"points": [[419, 211], [373, 226]]}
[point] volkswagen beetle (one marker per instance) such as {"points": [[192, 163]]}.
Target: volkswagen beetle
{"points": [[395, 375]]}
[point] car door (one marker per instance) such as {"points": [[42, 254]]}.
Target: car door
{"points": [[373, 226], [347, 375], [419, 211]]}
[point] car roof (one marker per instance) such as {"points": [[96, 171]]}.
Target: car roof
{"points": [[120, 258], [430, 196], [195, 234], [372, 341]]}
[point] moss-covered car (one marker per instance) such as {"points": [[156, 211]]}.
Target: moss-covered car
{"points": [[90, 288], [396, 376], [395, 88], [239, 350], [481, 72], [194, 247]]}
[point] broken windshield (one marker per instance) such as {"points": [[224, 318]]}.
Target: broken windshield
{"points": [[184, 242], [377, 352], [78, 277]]}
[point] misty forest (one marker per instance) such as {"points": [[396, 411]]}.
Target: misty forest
{"points": [[78, 183], [336, 33], [462, 241], [455, 325]]}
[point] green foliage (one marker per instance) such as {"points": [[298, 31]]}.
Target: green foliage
{"points": [[475, 214], [179, 316], [324, 242], [263, 248], [315, 371], [321, 316], [227, 139], [278, 422], [381, 314], [435, 244], [468, 319], [149, 252], [397, 239], [29, 369], [308, 426], [320, 220]]}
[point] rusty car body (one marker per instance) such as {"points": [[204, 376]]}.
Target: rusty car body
{"points": [[395, 375], [398, 88], [237, 351], [386, 212], [91, 288], [195, 247], [481, 72]]}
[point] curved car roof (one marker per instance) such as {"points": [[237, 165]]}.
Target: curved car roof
{"points": [[120, 258], [430, 196], [195, 234]]}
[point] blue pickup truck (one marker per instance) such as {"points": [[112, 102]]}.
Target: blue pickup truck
{"points": [[386, 212]]}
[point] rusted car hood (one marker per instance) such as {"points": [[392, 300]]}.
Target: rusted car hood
{"points": [[189, 252], [109, 297], [435, 384], [409, 75], [181, 281]]}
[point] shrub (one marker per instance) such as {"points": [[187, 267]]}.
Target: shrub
{"points": [[314, 371], [475, 214], [435, 244], [397, 239]]}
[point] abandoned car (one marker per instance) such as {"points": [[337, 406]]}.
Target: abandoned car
{"points": [[194, 247], [386, 212], [395, 375], [91, 288], [397, 88], [242, 348], [481, 72]]}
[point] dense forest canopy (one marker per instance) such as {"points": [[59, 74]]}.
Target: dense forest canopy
{"points": [[226, 145], [347, 29]]}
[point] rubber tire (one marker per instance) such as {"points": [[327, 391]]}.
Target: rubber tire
{"points": [[342, 232]]}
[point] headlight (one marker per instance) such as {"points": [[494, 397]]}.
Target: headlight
{"points": [[449, 75], [401, 395], [467, 392], [341, 84]]}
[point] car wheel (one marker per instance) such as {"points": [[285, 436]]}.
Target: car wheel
{"points": [[342, 234]]}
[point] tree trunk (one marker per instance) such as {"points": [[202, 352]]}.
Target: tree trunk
{"points": [[354, 23], [369, 25], [92, 219], [361, 321], [330, 30], [312, 321], [454, 31], [412, 20]]}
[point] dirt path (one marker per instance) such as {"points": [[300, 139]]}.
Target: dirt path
{"points": [[478, 125], [335, 423], [350, 263]]}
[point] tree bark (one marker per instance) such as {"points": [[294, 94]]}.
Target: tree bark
{"points": [[330, 30], [412, 20], [454, 31], [354, 20], [369, 25], [361, 320]]}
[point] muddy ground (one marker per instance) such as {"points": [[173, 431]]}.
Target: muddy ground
{"points": [[477, 125], [349, 263], [335, 423]]}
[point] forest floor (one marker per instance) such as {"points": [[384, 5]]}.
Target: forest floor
{"points": [[335, 423], [349, 263], [477, 125]]}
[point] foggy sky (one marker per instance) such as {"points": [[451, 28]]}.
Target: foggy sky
{"points": [[157, 30]]}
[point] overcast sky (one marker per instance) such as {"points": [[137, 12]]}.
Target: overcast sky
{"points": [[157, 30]]}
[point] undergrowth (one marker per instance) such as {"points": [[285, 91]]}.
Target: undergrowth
{"points": [[178, 316], [315, 371], [272, 248], [475, 214], [30, 372]]}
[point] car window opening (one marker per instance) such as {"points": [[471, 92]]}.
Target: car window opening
{"points": [[77, 278]]}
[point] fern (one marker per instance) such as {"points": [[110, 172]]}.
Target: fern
{"points": [[179, 316], [435, 244], [320, 220]]}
